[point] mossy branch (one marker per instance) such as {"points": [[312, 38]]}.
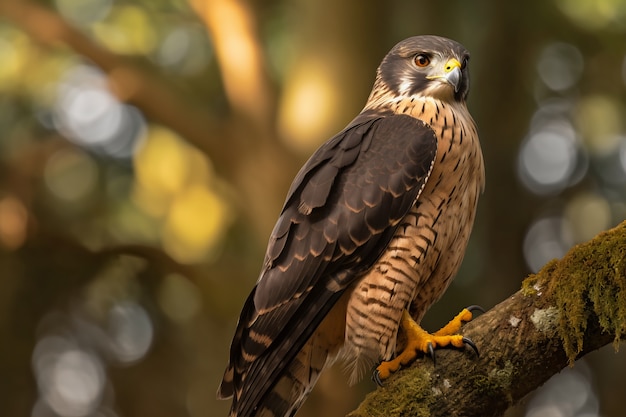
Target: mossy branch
{"points": [[571, 307]]}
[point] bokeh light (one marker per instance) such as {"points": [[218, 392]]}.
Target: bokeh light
{"points": [[611, 167], [130, 330], [71, 175], [179, 298], [87, 113], [74, 349], [622, 154], [174, 47], [547, 238], [76, 382], [71, 380], [571, 138], [128, 29], [161, 168], [14, 49], [184, 49], [195, 224], [548, 158], [551, 157], [175, 184], [84, 12], [308, 106], [600, 120], [587, 214], [594, 15], [560, 66], [567, 394], [13, 223]]}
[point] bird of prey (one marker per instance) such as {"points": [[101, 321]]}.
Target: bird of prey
{"points": [[373, 230]]}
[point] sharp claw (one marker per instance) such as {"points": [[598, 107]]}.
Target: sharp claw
{"points": [[376, 378], [473, 308], [468, 341], [431, 353]]}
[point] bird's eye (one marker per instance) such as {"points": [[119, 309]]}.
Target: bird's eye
{"points": [[464, 63], [421, 60]]}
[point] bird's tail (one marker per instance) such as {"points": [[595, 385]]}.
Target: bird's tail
{"points": [[294, 385]]}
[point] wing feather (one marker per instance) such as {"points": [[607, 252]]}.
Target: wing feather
{"points": [[340, 213]]}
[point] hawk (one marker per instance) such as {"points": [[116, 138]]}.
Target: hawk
{"points": [[373, 230]]}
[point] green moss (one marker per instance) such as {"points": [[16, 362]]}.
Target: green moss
{"points": [[531, 286], [494, 388], [590, 279], [408, 394], [502, 377], [485, 386]]}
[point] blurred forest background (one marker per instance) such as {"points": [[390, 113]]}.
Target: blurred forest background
{"points": [[147, 146]]}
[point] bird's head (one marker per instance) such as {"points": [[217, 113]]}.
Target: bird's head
{"points": [[429, 66]]}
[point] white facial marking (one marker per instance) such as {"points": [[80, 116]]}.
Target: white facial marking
{"points": [[405, 86]]}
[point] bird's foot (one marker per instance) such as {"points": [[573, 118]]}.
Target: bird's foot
{"points": [[419, 340]]}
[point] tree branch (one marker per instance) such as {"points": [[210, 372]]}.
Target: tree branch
{"points": [[232, 28], [571, 307]]}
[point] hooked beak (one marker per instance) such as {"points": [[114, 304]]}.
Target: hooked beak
{"points": [[451, 74]]}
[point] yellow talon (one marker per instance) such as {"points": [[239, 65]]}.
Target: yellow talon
{"points": [[455, 324], [419, 340]]}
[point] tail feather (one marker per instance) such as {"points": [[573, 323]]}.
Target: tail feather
{"points": [[294, 386], [277, 383], [227, 387]]}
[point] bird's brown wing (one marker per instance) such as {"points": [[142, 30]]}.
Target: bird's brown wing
{"points": [[340, 214]]}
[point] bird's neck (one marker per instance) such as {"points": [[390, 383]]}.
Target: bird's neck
{"points": [[383, 98]]}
